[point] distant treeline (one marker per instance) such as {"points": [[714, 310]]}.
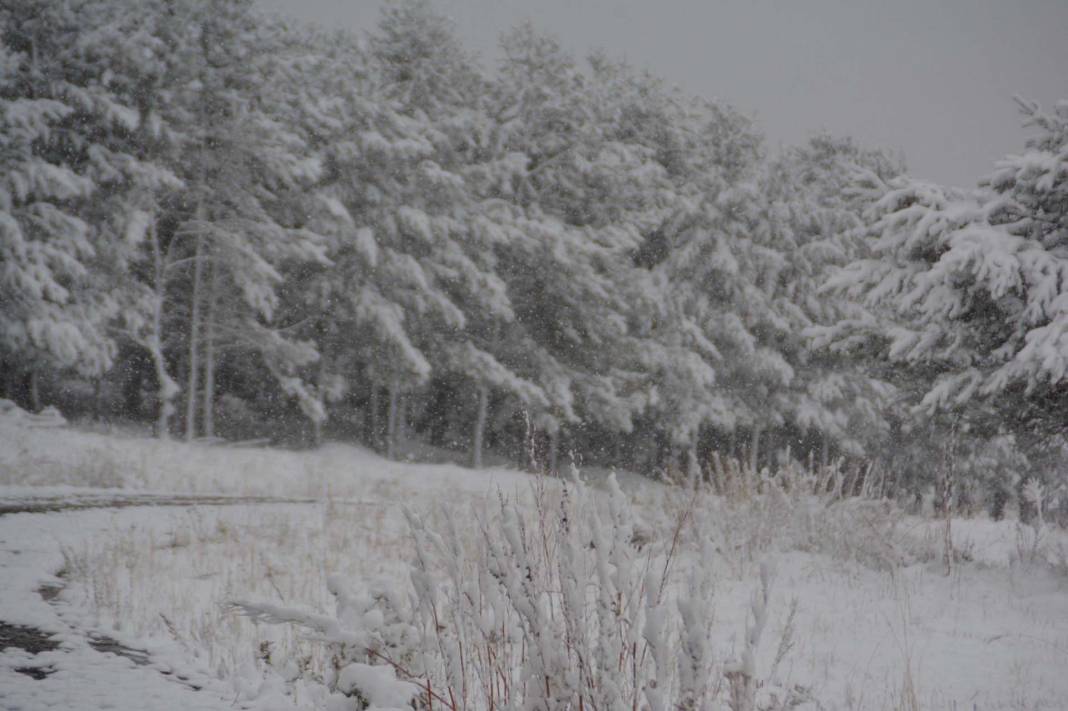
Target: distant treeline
{"points": [[231, 226]]}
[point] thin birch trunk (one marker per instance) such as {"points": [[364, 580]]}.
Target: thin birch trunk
{"points": [[754, 450], [208, 415], [317, 433], [375, 425], [554, 446], [693, 468], [198, 275], [949, 465], [391, 425], [167, 387], [194, 346], [317, 424], [480, 427]]}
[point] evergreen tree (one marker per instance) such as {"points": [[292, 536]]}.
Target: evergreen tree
{"points": [[972, 282], [233, 225], [69, 169], [450, 199], [581, 197], [817, 200], [719, 269]]}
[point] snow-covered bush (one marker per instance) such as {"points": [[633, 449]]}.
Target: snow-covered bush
{"points": [[1036, 541], [567, 603], [237, 418], [833, 510]]}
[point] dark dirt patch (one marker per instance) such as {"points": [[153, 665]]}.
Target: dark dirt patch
{"points": [[107, 645], [37, 673], [183, 680], [49, 593], [30, 639]]}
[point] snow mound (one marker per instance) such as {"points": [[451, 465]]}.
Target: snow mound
{"points": [[48, 417]]}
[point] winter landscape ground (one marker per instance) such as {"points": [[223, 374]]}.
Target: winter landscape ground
{"points": [[132, 604]]}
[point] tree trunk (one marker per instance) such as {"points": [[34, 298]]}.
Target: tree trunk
{"points": [[7, 389], [391, 424], [554, 446], [167, 390], [373, 433], [693, 469], [659, 455], [403, 409], [35, 391], [480, 427], [131, 388], [320, 373], [194, 346], [167, 387], [825, 452], [208, 415], [754, 450], [98, 398]]}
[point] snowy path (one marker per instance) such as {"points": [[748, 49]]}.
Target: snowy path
{"points": [[55, 660], [79, 502]]}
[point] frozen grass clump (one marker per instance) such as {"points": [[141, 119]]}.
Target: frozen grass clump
{"points": [[748, 515], [570, 603]]}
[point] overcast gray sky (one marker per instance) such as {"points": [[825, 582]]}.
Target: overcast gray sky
{"points": [[933, 78]]}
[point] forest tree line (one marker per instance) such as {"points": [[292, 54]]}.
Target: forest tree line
{"points": [[230, 225]]}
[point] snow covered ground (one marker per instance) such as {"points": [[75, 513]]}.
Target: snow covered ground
{"points": [[75, 674], [135, 595]]}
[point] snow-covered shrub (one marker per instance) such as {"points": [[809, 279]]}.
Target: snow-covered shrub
{"points": [[236, 418], [369, 640], [832, 510], [567, 603], [1037, 542], [14, 415]]}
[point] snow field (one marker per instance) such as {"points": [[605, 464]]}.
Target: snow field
{"points": [[38, 456], [860, 615], [992, 636]]}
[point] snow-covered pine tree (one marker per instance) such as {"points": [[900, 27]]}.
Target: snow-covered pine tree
{"points": [[375, 308], [131, 43], [670, 130], [727, 373], [70, 167], [973, 281], [233, 225], [817, 195], [580, 198], [433, 81]]}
